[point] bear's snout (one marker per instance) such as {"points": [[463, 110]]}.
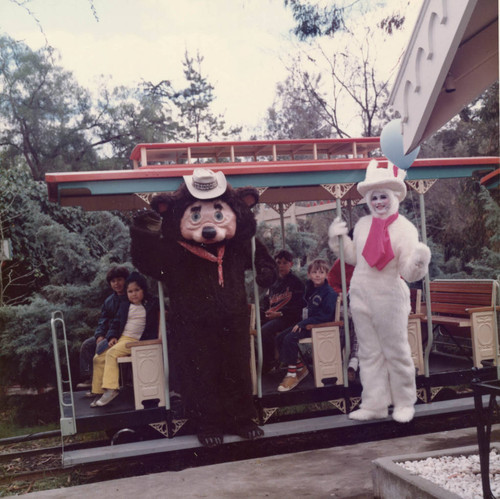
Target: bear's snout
{"points": [[208, 232]]}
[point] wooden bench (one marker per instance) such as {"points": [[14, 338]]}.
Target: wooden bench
{"points": [[147, 371], [326, 345], [326, 349], [467, 309]]}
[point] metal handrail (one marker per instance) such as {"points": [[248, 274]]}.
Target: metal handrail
{"points": [[260, 355], [68, 424], [163, 332]]}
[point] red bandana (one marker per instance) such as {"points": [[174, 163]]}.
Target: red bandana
{"points": [[203, 253], [378, 250]]}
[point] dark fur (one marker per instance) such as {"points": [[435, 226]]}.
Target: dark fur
{"points": [[210, 323]]}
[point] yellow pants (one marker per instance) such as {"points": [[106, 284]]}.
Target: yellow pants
{"points": [[106, 372]]}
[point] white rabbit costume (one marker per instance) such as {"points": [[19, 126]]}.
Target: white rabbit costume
{"points": [[379, 298]]}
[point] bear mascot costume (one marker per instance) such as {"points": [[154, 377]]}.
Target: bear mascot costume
{"points": [[385, 250], [198, 241]]}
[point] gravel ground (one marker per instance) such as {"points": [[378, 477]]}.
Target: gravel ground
{"points": [[459, 474]]}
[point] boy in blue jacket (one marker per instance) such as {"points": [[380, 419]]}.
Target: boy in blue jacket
{"points": [[115, 277], [321, 300]]}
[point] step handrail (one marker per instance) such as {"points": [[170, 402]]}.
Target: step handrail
{"points": [[68, 424]]}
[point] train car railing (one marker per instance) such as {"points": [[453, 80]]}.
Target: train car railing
{"points": [[260, 355], [67, 423], [164, 343]]}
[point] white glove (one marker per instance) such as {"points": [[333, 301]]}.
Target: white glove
{"points": [[338, 228], [418, 263], [421, 256]]}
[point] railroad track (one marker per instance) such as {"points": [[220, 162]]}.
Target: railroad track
{"points": [[30, 466], [39, 463]]}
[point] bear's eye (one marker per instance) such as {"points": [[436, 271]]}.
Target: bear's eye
{"points": [[195, 216], [218, 216]]}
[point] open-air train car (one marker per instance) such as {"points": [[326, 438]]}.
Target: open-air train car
{"points": [[283, 172]]}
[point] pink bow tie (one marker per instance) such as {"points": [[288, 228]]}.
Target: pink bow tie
{"points": [[378, 250]]}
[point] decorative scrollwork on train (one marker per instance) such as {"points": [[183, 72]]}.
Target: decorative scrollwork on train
{"points": [[178, 424], [338, 191], [146, 197], [435, 390], [160, 428], [338, 404], [421, 186], [268, 412], [354, 402], [422, 395], [279, 207], [261, 190]]}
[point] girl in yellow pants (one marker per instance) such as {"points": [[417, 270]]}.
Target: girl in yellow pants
{"points": [[136, 319], [106, 371]]}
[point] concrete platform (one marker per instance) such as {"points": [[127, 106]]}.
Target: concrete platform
{"points": [[337, 472]]}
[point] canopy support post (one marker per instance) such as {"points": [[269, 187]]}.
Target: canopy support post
{"points": [[347, 337], [163, 332]]}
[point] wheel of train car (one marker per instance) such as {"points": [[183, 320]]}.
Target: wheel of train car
{"points": [[119, 436], [123, 436]]}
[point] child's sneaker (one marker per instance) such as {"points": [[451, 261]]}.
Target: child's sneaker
{"points": [[84, 384], [94, 402], [290, 382], [302, 373], [108, 396]]}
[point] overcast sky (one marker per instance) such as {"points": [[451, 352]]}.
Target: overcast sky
{"points": [[245, 43]]}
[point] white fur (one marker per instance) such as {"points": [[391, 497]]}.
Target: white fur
{"points": [[366, 415], [380, 305], [403, 414]]}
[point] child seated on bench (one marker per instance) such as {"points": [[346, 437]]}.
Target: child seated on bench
{"points": [[136, 319], [115, 277], [281, 308], [321, 300]]}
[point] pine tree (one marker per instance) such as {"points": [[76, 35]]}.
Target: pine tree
{"points": [[198, 122]]}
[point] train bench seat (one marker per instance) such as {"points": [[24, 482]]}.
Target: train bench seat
{"points": [[148, 379], [146, 357], [326, 349], [326, 344], [466, 309]]}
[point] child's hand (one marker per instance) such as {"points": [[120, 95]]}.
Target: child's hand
{"points": [[272, 314], [112, 342]]}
